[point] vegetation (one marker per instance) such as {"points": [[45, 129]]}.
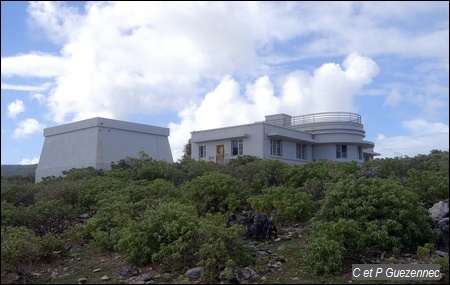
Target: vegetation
{"points": [[22, 170], [174, 215]]}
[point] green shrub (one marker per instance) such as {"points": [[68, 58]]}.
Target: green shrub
{"points": [[285, 204], [322, 170], [173, 236], [430, 186], [221, 249], [216, 192], [19, 193], [20, 248], [104, 228], [384, 213]]}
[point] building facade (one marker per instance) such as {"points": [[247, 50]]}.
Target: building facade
{"points": [[97, 142], [336, 136]]}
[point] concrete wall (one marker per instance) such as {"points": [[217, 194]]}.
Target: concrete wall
{"points": [[97, 142]]}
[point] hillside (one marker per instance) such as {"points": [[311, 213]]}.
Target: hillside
{"points": [[18, 169]]}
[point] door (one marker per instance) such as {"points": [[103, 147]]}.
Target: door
{"points": [[220, 151]]}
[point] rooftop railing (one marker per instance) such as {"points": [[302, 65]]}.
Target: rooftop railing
{"points": [[325, 117]]}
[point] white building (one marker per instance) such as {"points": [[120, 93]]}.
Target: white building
{"points": [[97, 142], [336, 136]]}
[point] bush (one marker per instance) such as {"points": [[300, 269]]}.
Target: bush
{"points": [[256, 172], [430, 186], [173, 236], [20, 248], [216, 192], [164, 234], [322, 170], [382, 213], [285, 204]]}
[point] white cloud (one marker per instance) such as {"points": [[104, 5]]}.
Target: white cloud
{"points": [[119, 58], [393, 98], [33, 65], [15, 108], [27, 127], [33, 160], [150, 57], [423, 137], [5, 86]]}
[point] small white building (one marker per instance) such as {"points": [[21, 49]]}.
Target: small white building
{"points": [[335, 136], [97, 142]]}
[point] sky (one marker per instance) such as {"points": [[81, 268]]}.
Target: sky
{"points": [[191, 66]]}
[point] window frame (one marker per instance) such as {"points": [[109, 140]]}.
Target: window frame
{"points": [[360, 152], [341, 151], [202, 151], [238, 149], [276, 147], [301, 151]]}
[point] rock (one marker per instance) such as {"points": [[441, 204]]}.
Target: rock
{"points": [[280, 259], [262, 253], [258, 226], [82, 280], [104, 278], [83, 216], [195, 272], [96, 270], [145, 277], [247, 272], [129, 273], [439, 210], [441, 253]]}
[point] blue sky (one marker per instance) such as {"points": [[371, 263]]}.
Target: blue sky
{"points": [[190, 66]]}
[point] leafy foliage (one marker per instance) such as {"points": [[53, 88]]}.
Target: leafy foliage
{"points": [[175, 214], [216, 192], [359, 213], [286, 204]]}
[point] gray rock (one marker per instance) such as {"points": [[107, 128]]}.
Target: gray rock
{"points": [[439, 210], [247, 272], [82, 280], [105, 278], [145, 277], [195, 272], [441, 253], [96, 270]]}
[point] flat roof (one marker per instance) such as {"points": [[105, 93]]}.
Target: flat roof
{"points": [[107, 123]]}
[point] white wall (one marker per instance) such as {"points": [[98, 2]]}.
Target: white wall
{"points": [[97, 142]]}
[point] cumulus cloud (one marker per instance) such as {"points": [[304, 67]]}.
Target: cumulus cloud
{"points": [[33, 160], [33, 65], [221, 63], [422, 135], [27, 127], [147, 57], [15, 108]]}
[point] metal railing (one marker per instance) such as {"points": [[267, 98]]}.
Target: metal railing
{"points": [[325, 117]]}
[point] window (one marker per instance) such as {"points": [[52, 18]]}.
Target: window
{"points": [[360, 153], [341, 151], [202, 150], [301, 151], [237, 147], [275, 147]]}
